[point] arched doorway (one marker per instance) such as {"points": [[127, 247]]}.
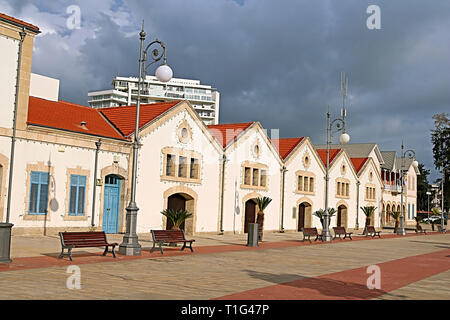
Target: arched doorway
{"points": [[176, 202], [111, 202], [304, 216], [341, 220], [250, 213], [184, 198], [388, 216]]}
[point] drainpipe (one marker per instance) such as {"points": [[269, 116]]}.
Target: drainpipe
{"points": [[97, 144], [283, 170], [13, 138], [224, 159], [357, 205]]}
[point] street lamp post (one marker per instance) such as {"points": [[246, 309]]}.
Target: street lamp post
{"points": [[130, 245], [411, 154], [344, 138], [428, 194], [443, 197]]}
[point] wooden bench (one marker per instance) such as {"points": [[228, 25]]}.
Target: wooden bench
{"points": [[311, 232], [169, 236], [70, 240], [338, 231], [370, 230], [420, 230]]}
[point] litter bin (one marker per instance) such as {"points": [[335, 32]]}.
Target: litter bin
{"points": [[252, 240], [5, 242]]}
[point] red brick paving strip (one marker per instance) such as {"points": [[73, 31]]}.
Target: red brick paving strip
{"points": [[351, 284], [80, 257]]}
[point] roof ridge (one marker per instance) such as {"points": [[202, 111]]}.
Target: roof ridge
{"points": [[144, 105], [233, 123]]}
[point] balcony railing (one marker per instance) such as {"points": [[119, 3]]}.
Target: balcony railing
{"points": [[393, 188]]}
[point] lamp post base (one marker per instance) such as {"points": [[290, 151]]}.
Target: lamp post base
{"points": [[401, 232], [130, 245]]}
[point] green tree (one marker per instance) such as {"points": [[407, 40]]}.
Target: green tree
{"points": [[440, 137], [422, 187]]}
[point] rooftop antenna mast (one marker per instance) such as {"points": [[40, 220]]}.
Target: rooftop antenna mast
{"points": [[344, 83]]}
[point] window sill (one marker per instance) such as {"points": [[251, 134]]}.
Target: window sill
{"points": [[246, 186], [180, 179], [36, 217], [305, 192], [68, 217], [343, 197]]}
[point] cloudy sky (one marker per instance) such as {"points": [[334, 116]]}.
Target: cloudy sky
{"points": [[274, 61]]}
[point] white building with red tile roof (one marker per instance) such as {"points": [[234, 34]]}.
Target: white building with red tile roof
{"points": [[216, 172]]}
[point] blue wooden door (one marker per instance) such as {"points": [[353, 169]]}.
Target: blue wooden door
{"points": [[111, 204]]}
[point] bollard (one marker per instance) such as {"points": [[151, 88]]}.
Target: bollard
{"points": [[252, 240], [5, 242]]}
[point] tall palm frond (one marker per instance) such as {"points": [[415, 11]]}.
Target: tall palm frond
{"points": [[263, 203], [368, 211], [176, 216], [319, 213]]}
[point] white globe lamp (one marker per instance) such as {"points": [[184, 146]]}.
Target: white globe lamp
{"points": [[345, 138], [164, 73]]}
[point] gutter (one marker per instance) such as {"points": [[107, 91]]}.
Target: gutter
{"points": [[283, 170], [357, 205], [224, 159], [97, 144]]}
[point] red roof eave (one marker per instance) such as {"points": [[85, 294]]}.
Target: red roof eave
{"points": [[18, 22]]}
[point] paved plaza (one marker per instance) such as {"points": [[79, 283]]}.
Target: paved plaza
{"points": [[222, 267]]}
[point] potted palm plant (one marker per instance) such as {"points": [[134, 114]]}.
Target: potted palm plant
{"points": [[177, 217], [321, 213], [262, 205], [396, 216], [369, 212]]}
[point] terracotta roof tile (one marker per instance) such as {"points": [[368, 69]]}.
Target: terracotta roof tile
{"points": [[323, 154], [286, 146], [69, 116], [358, 163], [124, 118], [226, 133], [20, 22]]}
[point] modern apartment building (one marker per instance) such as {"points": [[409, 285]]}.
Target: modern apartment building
{"points": [[204, 98]]}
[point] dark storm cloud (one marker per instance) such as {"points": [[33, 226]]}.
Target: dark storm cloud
{"points": [[277, 62]]}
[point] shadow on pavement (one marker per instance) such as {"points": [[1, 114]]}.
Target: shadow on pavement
{"points": [[320, 288]]}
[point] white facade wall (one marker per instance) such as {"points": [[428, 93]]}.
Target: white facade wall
{"points": [[151, 187], [365, 180], [235, 194], [293, 198], [8, 69], [44, 87], [33, 152], [411, 194], [335, 201]]}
